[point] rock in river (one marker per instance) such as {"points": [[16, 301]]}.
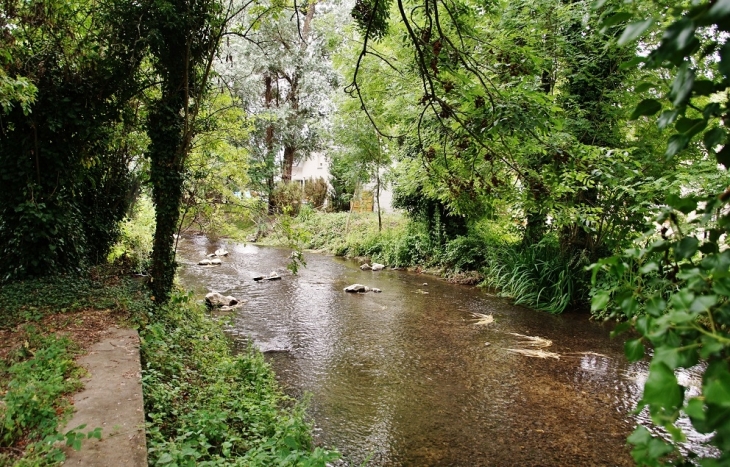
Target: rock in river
{"points": [[215, 300], [357, 288], [365, 267], [377, 267]]}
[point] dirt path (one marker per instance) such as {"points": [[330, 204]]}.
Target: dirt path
{"points": [[111, 400]]}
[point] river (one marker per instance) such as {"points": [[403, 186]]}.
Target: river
{"points": [[409, 377]]}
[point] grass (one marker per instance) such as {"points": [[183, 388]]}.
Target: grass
{"points": [[204, 405], [538, 276], [35, 380]]}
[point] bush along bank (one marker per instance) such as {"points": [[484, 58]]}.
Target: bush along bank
{"points": [[539, 276], [204, 405]]}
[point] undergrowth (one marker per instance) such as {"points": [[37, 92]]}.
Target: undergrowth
{"points": [[35, 379], [30, 300], [206, 406], [539, 276]]}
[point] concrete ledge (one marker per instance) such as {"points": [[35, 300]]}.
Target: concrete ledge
{"points": [[111, 400]]}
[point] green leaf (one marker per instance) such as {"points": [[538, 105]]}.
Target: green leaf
{"points": [[629, 305], [616, 18], [717, 387], [673, 357], [632, 63], [635, 30], [646, 107], [640, 436], [634, 350], [695, 408], [686, 248], [651, 266], [676, 144], [710, 346], [600, 300], [682, 85], [682, 300], [620, 328], [703, 303], [683, 205], [691, 126], [661, 390], [643, 87], [656, 306], [714, 137], [667, 118]]}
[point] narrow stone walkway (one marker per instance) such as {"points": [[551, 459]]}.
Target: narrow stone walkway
{"points": [[111, 400]]}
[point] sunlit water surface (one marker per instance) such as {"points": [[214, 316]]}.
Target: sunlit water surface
{"points": [[405, 377]]}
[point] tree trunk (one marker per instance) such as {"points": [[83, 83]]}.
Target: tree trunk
{"points": [[268, 99], [166, 143]]}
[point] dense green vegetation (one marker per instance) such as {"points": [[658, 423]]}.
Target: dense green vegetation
{"points": [[519, 139], [34, 380], [202, 403]]}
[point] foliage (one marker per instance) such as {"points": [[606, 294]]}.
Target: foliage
{"points": [[135, 244], [315, 191], [205, 405], [32, 299], [539, 276], [682, 308], [278, 65], [216, 171], [182, 41], [63, 168], [34, 381], [288, 197]]}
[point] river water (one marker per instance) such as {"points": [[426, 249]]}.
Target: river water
{"points": [[408, 377]]}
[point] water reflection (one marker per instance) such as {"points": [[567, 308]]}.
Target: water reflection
{"points": [[405, 378]]}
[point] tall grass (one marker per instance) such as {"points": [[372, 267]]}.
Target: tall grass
{"points": [[539, 276]]}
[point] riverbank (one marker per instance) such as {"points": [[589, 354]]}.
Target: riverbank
{"points": [[538, 276], [202, 403]]}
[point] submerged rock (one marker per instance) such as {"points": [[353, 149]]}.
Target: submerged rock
{"points": [[274, 276], [359, 288], [216, 300], [377, 267]]}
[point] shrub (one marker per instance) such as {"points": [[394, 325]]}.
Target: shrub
{"points": [[287, 195], [206, 405], [315, 191]]}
